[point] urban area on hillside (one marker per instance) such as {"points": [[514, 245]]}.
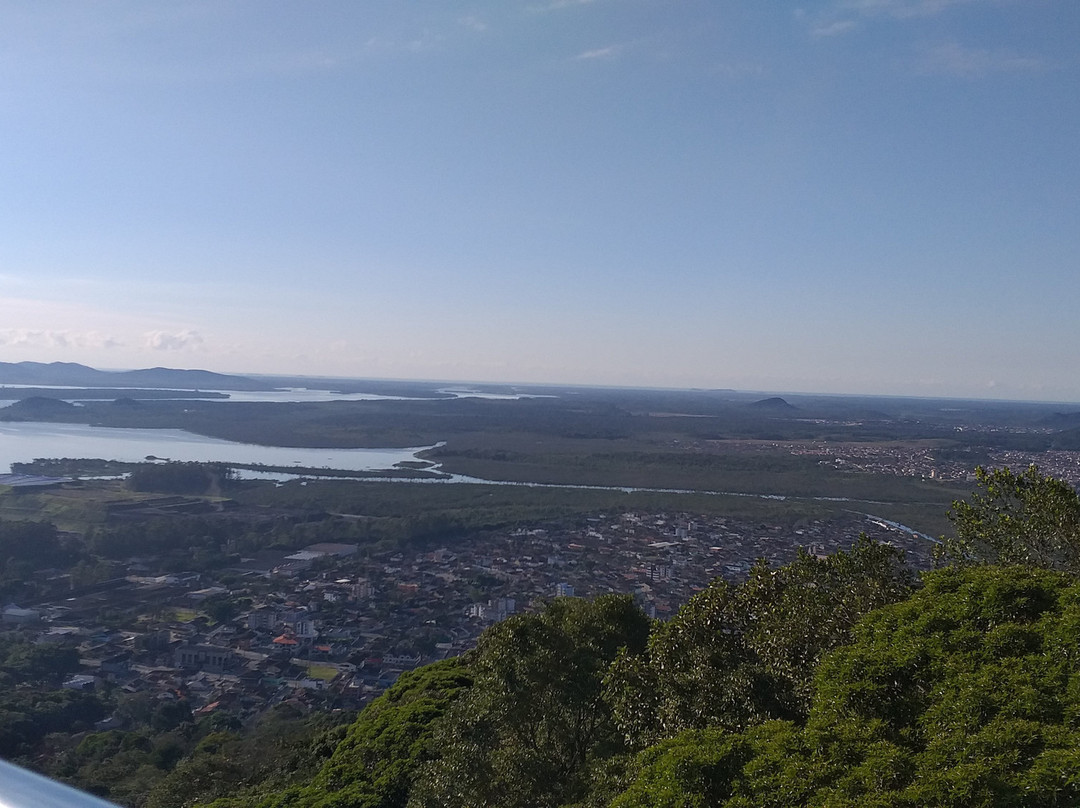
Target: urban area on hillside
{"points": [[326, 626]]}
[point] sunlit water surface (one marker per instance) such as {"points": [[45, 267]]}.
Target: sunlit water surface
{"points": [[22, 442]]}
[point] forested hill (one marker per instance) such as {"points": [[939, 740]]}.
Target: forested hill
{"points": [[837, 681], [75, 375]]}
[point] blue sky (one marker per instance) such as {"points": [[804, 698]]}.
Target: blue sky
{"points": [[864, 196]]}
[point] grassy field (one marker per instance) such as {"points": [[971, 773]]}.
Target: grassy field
{"points": [[921, 504], [649, 463], [71, 508], [484, 506], [324, 672]]}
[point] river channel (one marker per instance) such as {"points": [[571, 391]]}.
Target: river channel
{"points": [[22, 442]]}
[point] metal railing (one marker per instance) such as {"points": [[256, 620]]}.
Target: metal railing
{"points": [[20, 788]]}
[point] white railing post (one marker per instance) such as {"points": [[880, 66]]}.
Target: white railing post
{"points": [[20, 788]]}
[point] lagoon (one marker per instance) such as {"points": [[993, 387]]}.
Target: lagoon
{"points": [[10, 393], [22, 442]]}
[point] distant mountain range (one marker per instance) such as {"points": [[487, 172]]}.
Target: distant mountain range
{"points": [[70, 374]]}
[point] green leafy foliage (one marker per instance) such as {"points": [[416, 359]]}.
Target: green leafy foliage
{"points": [[179, 478], [1026, 518], [28, 541], [24, 547], [739, 654], [375, 765], [164, 759], [27, 715], [964, 688], [32, 663], [281, 750], [692, 770], [121, 765], [534, 721], [963, 695], [372, 764]]}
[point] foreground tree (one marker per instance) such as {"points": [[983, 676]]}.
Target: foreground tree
{"points": [[534, 722], [964, 695], [375, 763], [739, 654], [1026, 518]]}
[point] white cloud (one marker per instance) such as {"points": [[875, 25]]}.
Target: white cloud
{"points": [[904, 9], [25, 337], [420, 42], [173, 341], [954, 59], [473, 22], [555, 5], [834, 28], [96, 340], [738, 70], [56, 338], [843, 16], [599, 53]]}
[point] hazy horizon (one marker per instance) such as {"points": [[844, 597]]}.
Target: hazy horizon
{"points": [[466, 383]]}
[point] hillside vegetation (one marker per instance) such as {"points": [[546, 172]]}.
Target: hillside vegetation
{"points": [[837, 681]]}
